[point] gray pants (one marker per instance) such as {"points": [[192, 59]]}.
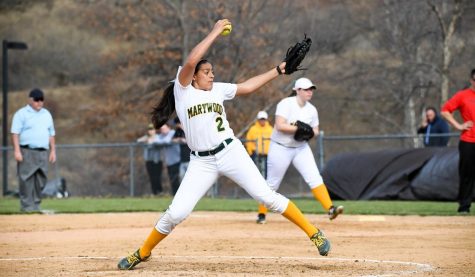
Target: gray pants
{"points": [[32, 172]]}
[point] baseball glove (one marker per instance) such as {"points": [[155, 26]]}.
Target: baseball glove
{"points": [[296, 54], [304, 131]]}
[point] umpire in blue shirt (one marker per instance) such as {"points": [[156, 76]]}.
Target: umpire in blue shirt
{"points": [[33, 135]]}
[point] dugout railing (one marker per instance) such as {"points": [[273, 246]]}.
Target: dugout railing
{"points": [[118, 169]]}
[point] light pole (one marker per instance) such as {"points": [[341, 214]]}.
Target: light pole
{"points": [[14, 45]]}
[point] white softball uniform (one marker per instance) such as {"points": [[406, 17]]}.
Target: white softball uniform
{"points": [[206, 128], [289, 109], [284, 149]]}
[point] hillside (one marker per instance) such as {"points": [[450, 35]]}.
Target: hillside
{"points": [[103, 64]]}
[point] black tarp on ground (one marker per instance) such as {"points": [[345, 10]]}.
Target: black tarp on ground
{"points": [[414, 174], [439, 178]]}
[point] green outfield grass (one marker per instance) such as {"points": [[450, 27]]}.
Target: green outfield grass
{"points": [[158, 204]]}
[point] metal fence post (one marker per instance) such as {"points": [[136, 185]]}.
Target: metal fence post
{"points": [[215, 189], [321, 155], [132, 169], [257, 158]]}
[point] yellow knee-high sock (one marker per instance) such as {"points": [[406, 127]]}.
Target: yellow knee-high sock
{"points": [[321, 194], [262, 209], [293, 214], [152, 240]]}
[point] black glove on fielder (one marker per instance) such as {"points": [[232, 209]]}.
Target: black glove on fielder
{"points": [[304, 131]]}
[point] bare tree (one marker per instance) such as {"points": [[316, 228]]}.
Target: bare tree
{"points": [[388, 70], [448, 14]]}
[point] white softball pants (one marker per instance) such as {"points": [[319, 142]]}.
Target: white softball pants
{"points": [[232, 162], [279, 159]]}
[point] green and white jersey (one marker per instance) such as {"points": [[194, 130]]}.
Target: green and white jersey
{"points": [[202, 114]]}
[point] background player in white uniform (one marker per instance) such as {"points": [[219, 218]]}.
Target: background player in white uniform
{"points": [[215, 151], [284, 149]]}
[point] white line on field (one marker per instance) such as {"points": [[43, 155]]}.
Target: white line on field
{"points": [[420, 267]]}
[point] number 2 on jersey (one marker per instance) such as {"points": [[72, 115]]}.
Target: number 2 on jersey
{"points": [[219, 124]]}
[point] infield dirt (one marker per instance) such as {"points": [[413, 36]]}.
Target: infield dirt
{"points": [[232, 244]]}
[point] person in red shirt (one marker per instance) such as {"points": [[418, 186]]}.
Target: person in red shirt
{"points": [[464, 101]]}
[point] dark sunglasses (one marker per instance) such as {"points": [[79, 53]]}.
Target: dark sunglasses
{"points": [[39, 99]]}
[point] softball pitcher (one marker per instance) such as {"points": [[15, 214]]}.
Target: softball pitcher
{"points": [[296, 121], [198, 102]]}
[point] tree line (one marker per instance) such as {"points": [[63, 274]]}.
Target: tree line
{"points": [[377, 64]]}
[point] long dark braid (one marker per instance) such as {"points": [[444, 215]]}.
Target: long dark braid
{"points": [[162, 112]]}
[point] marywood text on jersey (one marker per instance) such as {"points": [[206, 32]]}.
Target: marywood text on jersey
{"points": [[205, 108]]}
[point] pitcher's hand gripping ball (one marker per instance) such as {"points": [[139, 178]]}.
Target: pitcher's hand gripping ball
{"points": [[296, 54], [227, 30], [304, 131]]}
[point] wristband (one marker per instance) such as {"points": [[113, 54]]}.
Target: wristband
{"points": [[278, 70]]}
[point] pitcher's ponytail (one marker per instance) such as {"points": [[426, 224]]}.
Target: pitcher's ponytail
{"points": [[162, 112], [164, 109]]}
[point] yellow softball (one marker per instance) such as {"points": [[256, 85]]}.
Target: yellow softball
{"points": [[227, 30]]}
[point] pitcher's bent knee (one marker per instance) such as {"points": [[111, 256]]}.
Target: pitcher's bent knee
{"points": [[170, 220], [275, 202]]}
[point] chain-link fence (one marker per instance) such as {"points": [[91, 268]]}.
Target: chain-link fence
{"points": [[116, 169], [329, 146], [119, 169]]}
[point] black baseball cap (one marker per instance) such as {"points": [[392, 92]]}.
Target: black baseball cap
{"points": [[37, 94]]}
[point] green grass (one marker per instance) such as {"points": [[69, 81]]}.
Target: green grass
{"points": [[154, 204]]}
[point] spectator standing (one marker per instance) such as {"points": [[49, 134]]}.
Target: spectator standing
{"points": [[33, 135], [433, 124], [464, 101], [172, 155], [258, 141], [185, 151], [152, 158]]}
